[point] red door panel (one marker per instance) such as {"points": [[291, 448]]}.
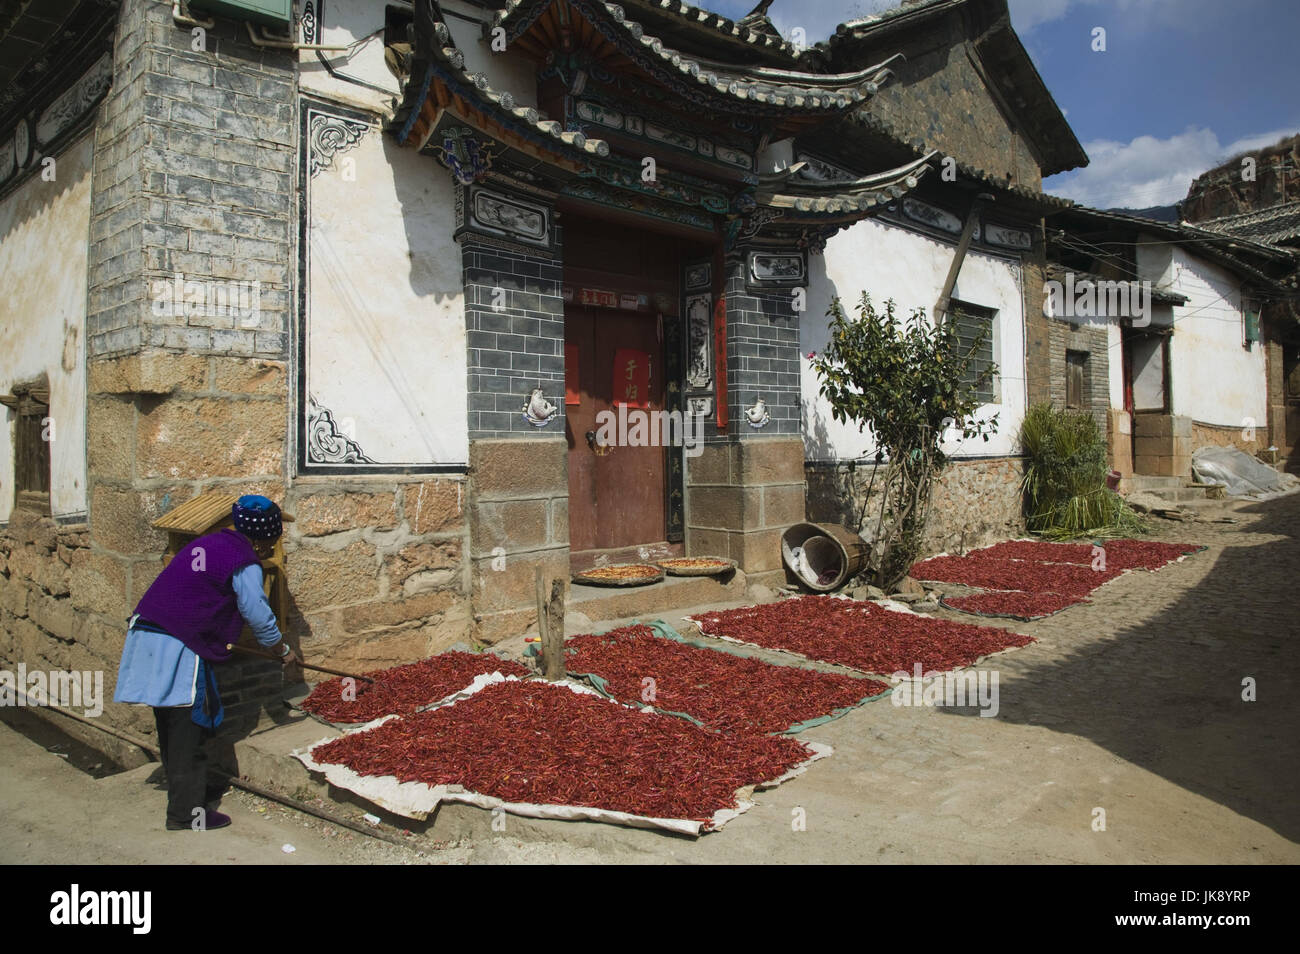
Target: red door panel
{"points": [[616, 493]]}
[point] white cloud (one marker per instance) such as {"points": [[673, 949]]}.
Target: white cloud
{"points": [[1150, 171], [1136, 15], [819, 20], [1027, 14]]}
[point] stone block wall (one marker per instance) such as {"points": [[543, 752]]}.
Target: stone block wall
{"points": [[974, 502], [740, 498], [518, 521], [1278, 434], [1212, 435], [941, 98], [60, 607], [194, 174], [376, 571]]}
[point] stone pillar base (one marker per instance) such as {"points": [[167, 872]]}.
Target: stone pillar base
{"points": [[518, 521], [740, 498], [1162, 445], [1119, 441]]}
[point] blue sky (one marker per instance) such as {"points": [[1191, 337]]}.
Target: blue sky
{"points": [[1182, 85]]}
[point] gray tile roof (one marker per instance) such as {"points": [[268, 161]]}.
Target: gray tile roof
{"points": [[765, 86], [434, 40], [1276, 225], [792, 191]]}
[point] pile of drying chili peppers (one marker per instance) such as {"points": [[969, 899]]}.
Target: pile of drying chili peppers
{"points": [[863, 636], [1013, 603], [1144, 554], [1038, 550], [725, 692], [1032, 576], [404, 689], [545, 744], [1118, 554], [1030, 579]]}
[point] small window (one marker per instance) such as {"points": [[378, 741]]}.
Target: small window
{"points": [[975, 325], [30, 405], [1076, 370]]}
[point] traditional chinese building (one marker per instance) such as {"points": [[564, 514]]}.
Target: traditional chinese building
{"points": [[420, 270]]}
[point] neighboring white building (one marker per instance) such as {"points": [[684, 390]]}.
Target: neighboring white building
{"points": [[888, 260], [1194, 369]]}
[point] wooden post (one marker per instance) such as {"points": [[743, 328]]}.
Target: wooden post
{"points": [[550, 625], [539, 594], [967, 233]]}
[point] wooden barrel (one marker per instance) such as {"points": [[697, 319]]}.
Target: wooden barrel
{"points": [[830, 553]]}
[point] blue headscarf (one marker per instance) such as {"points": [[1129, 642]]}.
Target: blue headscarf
{"points": [[257, 517]]}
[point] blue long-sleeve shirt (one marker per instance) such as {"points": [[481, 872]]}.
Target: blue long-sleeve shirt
{"points": [[159, 670]]}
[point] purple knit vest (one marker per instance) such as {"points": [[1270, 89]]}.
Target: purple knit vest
{"points": [[193, 597]]}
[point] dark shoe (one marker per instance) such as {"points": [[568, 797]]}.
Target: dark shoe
{"points": [[211, 820]]}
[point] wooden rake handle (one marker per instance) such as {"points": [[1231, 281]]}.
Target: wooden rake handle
{"points": [[265, 655]]}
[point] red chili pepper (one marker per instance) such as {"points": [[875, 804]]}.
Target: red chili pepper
{"points": [[861, 635], [404, 689], [589, 752], [1029, 579], [726, 692]]}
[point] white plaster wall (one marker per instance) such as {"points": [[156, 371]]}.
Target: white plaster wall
{"points": [[386, 317], [1115, 365], [887, 261], [1214, 378], [343, 23], [347, 22], [44, 234]]}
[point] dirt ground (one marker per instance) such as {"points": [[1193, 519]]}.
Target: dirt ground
{"points": [[1131, 704]]}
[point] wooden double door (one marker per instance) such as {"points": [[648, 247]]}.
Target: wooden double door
{"points": [[623, 296], [616, 490]]}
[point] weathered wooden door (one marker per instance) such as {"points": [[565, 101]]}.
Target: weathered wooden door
{"points": [[616, 491]]}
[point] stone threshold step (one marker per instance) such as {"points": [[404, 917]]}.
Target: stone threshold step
{"points": [[675, 592]]}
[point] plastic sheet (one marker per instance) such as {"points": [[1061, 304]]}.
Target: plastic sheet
{"points": [[1241, 474]]}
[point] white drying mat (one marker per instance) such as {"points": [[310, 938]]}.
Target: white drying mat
{"points": [[417, 800]]}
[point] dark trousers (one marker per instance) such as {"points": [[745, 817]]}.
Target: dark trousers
{"points": [[180, 742]]}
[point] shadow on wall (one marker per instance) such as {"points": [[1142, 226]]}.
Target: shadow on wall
{"points": [[1166, 695], [422, 192], [814, 333], [832, 495], [36, 195]]}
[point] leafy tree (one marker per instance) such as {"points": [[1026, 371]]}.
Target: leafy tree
{"points": [[904, 381]]}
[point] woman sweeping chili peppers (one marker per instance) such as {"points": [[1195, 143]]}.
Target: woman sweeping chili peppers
{"points": [[182, 625]]}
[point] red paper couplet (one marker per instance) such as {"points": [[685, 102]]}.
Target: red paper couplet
{"points": [[631, 378]]}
